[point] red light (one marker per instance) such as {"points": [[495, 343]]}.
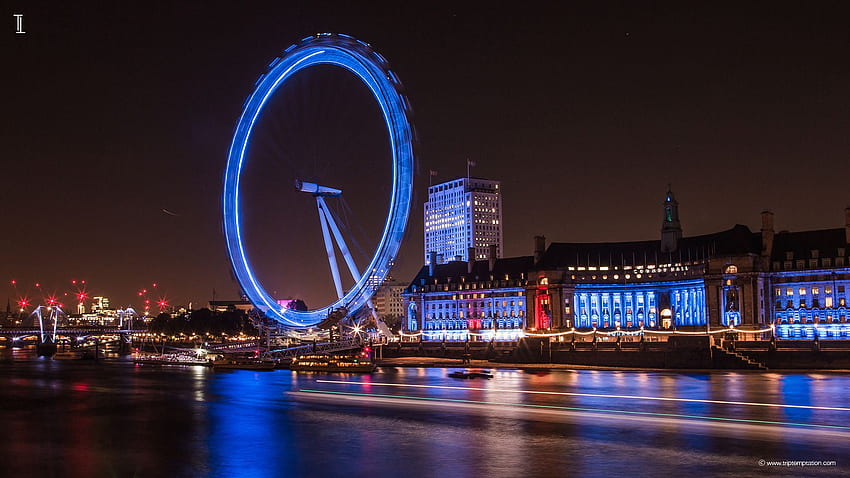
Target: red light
{"points": [[37, 284], [145, 291], [73, 282], [140, 294], [14, 282], [82, 282], [154, 284]]}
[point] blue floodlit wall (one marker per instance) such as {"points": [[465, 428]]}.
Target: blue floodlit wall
{"points": [[810, 304], [483, 314], [641, 304], [372, 69]]}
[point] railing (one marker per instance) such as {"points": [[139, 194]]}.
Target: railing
{"points": [[233, 346], [317, 348]]}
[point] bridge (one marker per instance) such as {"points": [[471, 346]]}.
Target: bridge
{"points": [[20, 333]]}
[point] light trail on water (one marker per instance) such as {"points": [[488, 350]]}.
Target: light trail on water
{"points": [[591, 395], [379, 399]]}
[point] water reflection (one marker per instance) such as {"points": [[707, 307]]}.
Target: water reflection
{"points": [[117, 419]]}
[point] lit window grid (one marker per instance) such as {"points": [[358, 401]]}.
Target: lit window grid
{"points": [[502, 309], [799, 307], [456, 220]]}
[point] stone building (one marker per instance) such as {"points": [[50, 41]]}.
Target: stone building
{"points": [[387, 299], [797, 281]]}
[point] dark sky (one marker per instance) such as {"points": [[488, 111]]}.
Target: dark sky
{"points": [[114, 111]]}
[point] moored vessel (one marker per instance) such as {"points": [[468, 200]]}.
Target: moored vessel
{"points": [[243, 364], [331, 363], [68, 355], [170, 359]]}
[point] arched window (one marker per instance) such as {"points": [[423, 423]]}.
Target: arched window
{"points": [[731, 269]]}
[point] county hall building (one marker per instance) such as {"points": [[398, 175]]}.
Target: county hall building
{"points": [[798, 281]]}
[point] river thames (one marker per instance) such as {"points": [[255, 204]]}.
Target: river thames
{"points": [[113, 418]]}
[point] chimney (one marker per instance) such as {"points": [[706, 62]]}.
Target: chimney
{"points": [[432, 263], [539, 248], [491, 256], [470, 259], [847, 225], [767, 233]]}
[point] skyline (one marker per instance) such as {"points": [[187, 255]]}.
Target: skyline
{"points": [[740, 110]]}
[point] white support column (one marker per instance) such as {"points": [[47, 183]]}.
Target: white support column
{"points": [[329, 248], [40, 322], [55, 315], [340, 242]]}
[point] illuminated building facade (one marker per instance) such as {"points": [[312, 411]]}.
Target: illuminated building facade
{"points": [[462, 214], [99, 304], [811, 283], [797, 281], [477, 300]]}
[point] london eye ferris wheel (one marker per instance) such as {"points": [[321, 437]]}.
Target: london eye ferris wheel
{"points": [[372, 70]]}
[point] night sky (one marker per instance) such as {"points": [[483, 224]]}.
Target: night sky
{"points": [[118, 117]]}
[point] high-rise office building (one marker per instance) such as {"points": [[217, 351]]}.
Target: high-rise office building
{"points": [[462, 215]]}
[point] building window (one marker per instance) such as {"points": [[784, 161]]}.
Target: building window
{"points": [[731, 269]]}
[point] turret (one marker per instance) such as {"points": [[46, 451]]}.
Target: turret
{"points": [[671, 228]]}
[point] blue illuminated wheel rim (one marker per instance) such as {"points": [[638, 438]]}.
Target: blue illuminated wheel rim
{"points": [[372, 69]]}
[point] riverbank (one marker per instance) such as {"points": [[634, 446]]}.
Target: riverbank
{"points": [[677, 353], [441, 362]]}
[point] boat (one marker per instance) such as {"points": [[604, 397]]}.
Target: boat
{"points": [[331, 363], [68, 355], [470, 374], [243, 364], [170, 359]]}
